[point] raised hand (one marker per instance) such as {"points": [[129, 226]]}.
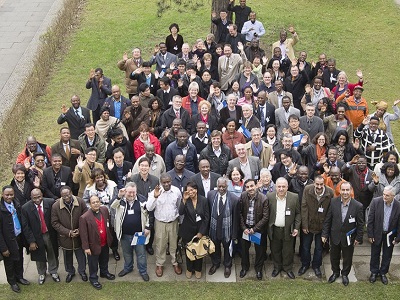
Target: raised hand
{"points": [[308, 88], [264, 60], [64, 109], [272, 160], [313, 64], [172, 66], [36, 182], [359, 74], [365, 121], [91, 74], [156, 49], [129, 174], [80, 162], [121, 193], [156, 74], [320, 72], [125, 56], [254, 87], [375, 177], [304, 140], [240, 46], [157, 191], [326, 168], [213, 14], [293, 170], [291, 30], [356, 143], [110, 164], [396, 102], [27, 163], [354, 159]]}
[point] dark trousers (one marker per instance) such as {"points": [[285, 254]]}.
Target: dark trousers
{"points": [[306, 250], [96, 261], [194, 265], [282, 250], [96, 114], [260, 254], [216, 256], [114, 243], [69, 263], [346, 252], [151, 239], [15, 268], [376, 254]]}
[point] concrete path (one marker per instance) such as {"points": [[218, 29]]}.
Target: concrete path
{"points": [[22, 22], [359, 272]]}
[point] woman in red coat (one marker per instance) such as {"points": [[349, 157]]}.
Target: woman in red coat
{"points": [[145, 137]]}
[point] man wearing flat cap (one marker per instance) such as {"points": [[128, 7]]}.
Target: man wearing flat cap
{"points": [[358, 106]]}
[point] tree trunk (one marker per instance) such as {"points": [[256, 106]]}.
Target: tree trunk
{"points": [[217, 6]]}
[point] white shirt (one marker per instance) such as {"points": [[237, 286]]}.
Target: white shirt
{"points": [[206, 184], [166, 205], [280, 212]]}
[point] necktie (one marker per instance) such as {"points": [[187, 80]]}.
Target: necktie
{"points": [[220, 205], [246, 123], [42, 221], [67, 152], [17, 224], [227, 64], [287, 169], [77, 114], [177, 114], [262, 116]]}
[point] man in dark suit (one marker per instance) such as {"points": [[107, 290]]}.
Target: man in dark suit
{"points": [[249, 120], [118, 169], [40, 235], [55, 177], [206, 181], [101, 88], [222, 24], [76, 117], [176, 111], [224, 216], [165, 93], [162, 59], [68, 148], [11, 240], [265, 111], [283, 226], [383, 232], [117, 103], [344, 225], [254, 214], [250, 165], [285, 167], [144, 75], [96, 237]]}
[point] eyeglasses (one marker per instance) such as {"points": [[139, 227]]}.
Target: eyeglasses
{"points": [[39, 160]]}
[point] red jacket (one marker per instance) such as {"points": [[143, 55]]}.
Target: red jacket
{"points": [[186, 104], [138, 146], [25, 153]]}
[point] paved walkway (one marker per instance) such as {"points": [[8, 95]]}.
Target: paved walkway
{"points": [[22, 22], [359, 272]]}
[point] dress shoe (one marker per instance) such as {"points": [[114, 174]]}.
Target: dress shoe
{"points": [[213, 269], [116, 255], [275, 273], [109, 276], [227, 272], [123, 273], [259, 275], [23, 281], [302, 270], [69, 277], [15, 288], [177, 269], [318, 272], [243, 273], [290, 274], [42, 279], [150, 250], [159, 271], [97, 285], [55, 277], [145, 277], [333, 278], [84, 277], [345, 280], [384, 279], [372, 278], [197, 274], [188, 274]]}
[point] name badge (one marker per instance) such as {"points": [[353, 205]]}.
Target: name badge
{"points": [[175, 47], [238, 188], [352, 220], [198, 218], [153, 167], [321, 210], [256, 177], [131, 212], [63, 183], [207, 126], [163, 66], [287, 213], [240, 121], [124, 178], [230, 66]]}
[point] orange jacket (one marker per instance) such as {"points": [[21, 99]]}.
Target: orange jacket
{"points": [[336, 190], [356, 112]]}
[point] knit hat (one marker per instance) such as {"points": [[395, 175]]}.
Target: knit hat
{"points": [[380, 105]]}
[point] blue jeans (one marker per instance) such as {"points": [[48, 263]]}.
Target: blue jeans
{"points": [[127, 251], [306, 250]]}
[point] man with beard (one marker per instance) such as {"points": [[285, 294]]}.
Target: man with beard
{"points": [[32, 146], [234, 38], [101, 88], [68, 148], [182, 146], [55, 177], [76, 117], [205, 180], [129, 65], [176, 111], [315, 203], [332, 178], [179, 174], [91, 139], [133, 116], [117, 103]]}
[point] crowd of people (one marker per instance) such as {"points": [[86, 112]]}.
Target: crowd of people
{"points": [[217, 140]]}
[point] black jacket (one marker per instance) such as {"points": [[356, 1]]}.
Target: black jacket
{"points": [[219, 164]]}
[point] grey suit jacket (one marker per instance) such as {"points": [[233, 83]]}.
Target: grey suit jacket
{"points": [[213, 182], [273, 98], [255, 166], [292, 214], [227, 74], [281, 120], [375, 220], [316, 125], [160, 61]]}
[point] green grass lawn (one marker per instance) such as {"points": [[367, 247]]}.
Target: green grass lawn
{"points": [[276, 289]]}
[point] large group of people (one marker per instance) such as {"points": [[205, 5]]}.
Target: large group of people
{"points": [[217, 141]]}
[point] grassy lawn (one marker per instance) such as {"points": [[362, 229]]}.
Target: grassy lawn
{"points": [[361, 35], [278, 289]]}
